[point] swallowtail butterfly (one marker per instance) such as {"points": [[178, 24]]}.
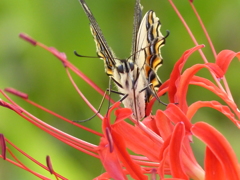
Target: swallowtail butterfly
{"points": [[136, 77]]}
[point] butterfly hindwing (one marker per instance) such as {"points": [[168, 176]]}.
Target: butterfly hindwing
{"points": [[149, 41]]}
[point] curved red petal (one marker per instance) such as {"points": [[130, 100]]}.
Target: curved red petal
{"points": [[193, 108], [175, 149], [176, 73], [134, 169], [176, 115], [221, 149], [173, 179], [150, 123], [212, 87], [212, 166], [137, 141], [186, 78], [164, 125], [163, 157], [106, 120], [104, 176], [225, 57], [122, 114], [110, 161]]}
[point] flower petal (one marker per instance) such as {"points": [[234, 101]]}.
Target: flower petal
{"points": [[164, 124], [150, 122], [122, 114], [175, 149], [137, 141], [220, 148], [104, 176], [176, 73], [212, 104], [196, 80], [133, 168], [110, 161], [163, 157], [106, 121], [176, 115], [173, 179], [186, 78], [212, 166], [113, 149], [225, 57]]}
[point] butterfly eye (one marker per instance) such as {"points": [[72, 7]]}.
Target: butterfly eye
{"points": [[131, 65], [120, 68]]}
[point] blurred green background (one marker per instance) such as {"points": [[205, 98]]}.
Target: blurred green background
{"points": [[63, 24]]}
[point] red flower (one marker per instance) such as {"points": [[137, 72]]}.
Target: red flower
{"points": [[160, 144]]}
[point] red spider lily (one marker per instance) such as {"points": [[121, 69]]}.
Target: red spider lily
{"points": [[161, 143]]}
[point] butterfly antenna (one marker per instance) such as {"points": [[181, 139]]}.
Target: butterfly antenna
{"points": [[79, 55], [168, 32]]}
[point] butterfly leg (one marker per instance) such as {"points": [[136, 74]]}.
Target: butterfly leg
{"points": [[98, 111], [100, 106], [109, 90], [151, 90]]}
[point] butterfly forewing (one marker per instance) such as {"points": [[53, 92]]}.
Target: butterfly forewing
{"points": [[102, 53], [136, 24], [103, 49]]}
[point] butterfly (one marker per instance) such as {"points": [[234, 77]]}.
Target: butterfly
{"points": [[135, 77]]}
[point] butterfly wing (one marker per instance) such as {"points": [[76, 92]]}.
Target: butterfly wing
{"points": [[136, 25], [148, 55], [103, 50]]}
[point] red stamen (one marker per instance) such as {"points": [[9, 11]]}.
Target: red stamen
{"points": [[3, 146], [110, 140], [49, 165], [19, 164], [16, 93], [153, 174], [10, 106], [28, 39], [204, 29], [63, 118], [64, 137], [188, 30]]}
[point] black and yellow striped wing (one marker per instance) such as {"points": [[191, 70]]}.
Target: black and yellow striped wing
{"points": [[103, 50], [147, 48]]}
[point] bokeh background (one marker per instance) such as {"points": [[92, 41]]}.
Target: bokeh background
{"points": [[63, 24]]}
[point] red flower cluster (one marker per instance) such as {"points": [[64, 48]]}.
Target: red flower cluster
{"points": [[161, 141]]}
